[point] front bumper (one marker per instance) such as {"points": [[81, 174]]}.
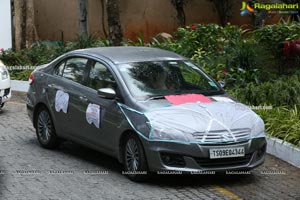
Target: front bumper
{"points": [[5, 94], [195, 157], [5, 91]]}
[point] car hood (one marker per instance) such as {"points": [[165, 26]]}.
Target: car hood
{"points": [[203, 116], [204, 122]]}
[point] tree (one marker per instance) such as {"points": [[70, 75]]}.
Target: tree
{"points": [[179, 6], [223, 8], [103, 17], [31, 32], [19, 24], [115, 33], [25, 33], [82, 18]]}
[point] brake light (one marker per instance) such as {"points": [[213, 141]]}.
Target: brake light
{"points": [[31, 79]]}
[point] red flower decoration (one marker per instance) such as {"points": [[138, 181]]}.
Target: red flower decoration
{"points": [[194, 27], [224, 72], [2, 50]]}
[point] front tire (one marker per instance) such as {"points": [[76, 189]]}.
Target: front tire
{"points": [[45, 129], [134, 159]]}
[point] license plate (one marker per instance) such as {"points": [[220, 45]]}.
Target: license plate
{"points": [[227, 152]]}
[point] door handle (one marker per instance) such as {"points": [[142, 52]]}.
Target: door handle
{"points": [[83, 98]]}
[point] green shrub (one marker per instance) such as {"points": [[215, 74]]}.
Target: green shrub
{"points": [[278, 92], [83, 42], [43, 52], [38, 54], [211, 47], [243, 55], [238, 77], [224, 53], [242, 63], [20, 74], [271, 35], [283, 123], [211, 38]]}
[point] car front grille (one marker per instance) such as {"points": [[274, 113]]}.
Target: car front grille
{"points": [[223, 136], [224, 162]]}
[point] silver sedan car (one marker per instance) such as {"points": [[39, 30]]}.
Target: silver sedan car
{"points": [[153, 110]]}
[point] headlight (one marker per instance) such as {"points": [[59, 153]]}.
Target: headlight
{"points": [[169, 135], [258, 129], [4, 73]]}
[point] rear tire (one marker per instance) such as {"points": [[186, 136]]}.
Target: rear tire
{"points": [[134, 159], [45, 129]]}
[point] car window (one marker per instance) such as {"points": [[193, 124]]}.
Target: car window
{"points": [[162, 78], [193, 79], [101, 77], [74, 69], [59, 69]]}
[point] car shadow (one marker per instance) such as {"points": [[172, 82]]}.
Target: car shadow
{"points": [[89, 155], [186, 180], [2, 111]]}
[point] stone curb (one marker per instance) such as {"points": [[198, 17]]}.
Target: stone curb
{"points": [[284, 151], [19, 86]]}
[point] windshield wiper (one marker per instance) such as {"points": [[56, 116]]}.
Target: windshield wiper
{"points": [[182, 92], [155, 97]]}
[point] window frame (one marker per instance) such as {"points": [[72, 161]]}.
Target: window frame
{"points": [[65, 60], [92, 64]]}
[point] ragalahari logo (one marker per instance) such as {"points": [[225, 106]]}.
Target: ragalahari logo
{"points": [[246, 9]]}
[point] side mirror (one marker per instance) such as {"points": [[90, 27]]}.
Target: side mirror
{"points": [[222, 83], [107, 93]]}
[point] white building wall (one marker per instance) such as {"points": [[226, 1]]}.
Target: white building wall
{"points": [[5, 24]]}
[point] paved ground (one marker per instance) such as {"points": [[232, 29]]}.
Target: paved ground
{"points": [[75, 172]]}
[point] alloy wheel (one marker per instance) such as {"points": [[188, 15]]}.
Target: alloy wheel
{"points": [[44, 127], [132, 155]]}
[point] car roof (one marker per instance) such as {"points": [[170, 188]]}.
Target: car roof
{"points": [[129, 54]]}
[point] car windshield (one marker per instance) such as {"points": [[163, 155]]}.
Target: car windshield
{"points": [[157, 79]]}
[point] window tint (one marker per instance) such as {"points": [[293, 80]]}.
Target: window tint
{"points": [[101, 77], [74, 69]]}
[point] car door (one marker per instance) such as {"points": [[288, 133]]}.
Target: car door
{"points": [[100, 128], [64, 92]]}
